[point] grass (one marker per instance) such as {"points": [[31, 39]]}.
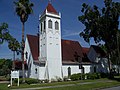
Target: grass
{"points": [[76, 85], [55, 83], [3, 86], [87, 86]]}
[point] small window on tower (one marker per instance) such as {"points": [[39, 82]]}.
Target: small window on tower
{"points": [[50, 24], [56, 25]]}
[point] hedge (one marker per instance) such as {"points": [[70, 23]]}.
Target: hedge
{"points": [[27, 80], [80, 76]]}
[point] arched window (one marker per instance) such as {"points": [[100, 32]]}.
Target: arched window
{"points": [[35, 70], [69, 71], [94, 69], [50, 24], [56, 25]]}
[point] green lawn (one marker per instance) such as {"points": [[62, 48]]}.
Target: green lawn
{"points": [[56, 83], [86, 87], [76, 85], [3, 87]]}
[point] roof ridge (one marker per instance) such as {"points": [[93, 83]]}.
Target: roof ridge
{"points": [[50, 9]]}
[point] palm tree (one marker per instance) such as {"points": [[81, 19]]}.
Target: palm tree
{"points": [[4, 33], [14, 45], [23, 10]]}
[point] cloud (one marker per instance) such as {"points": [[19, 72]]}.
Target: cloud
{"points": [[67, 33]]}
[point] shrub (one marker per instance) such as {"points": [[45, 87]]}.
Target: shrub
{"points": [[16, 80], [75, 77], [31, 81], [98, 76], [82, 76], [8, 77], [104, 75], [93, 76], [89, 76]]}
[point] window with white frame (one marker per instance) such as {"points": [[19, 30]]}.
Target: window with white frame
{"points": [[50, 24], [56, 25]]}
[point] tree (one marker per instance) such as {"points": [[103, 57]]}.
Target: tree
{"points": [[5, 66], [101, 24], [15, 47], [23, 10], [4, 33]]}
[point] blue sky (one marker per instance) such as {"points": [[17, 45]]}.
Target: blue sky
{"points": [[70, 10]]}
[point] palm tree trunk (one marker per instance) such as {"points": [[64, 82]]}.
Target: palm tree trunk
{"points": [[22, 56], [13, 60]]}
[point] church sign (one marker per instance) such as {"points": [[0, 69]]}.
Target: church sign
{"points": [[14, 74]]}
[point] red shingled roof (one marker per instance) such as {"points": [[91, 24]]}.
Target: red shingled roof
{"points": [[33, 42], [85, 50], [50, 9], [71, 50]]}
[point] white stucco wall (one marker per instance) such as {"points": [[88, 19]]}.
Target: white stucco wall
{"points": [[87, 68], [27, 49], [74, 69], [42, 73], [33, 73], [31, 67]]}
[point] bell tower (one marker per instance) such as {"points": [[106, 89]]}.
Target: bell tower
{"points": [[50, 42]]}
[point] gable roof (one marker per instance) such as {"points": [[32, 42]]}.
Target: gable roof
{"points": [[71, 51], [99, 50], [51, 9], [33, 43], [85, 51]]}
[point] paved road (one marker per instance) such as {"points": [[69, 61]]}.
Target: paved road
{"points": [[113, 88]]}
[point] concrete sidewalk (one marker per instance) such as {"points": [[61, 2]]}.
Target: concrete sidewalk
{"points": [[4, 81]]}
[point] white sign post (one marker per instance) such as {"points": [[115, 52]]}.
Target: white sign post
{"points": [[14, 74]]}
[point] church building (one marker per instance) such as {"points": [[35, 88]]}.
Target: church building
{"points": [[50, 57]]}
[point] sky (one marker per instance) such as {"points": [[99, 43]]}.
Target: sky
{"points": [[69, 9]]}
